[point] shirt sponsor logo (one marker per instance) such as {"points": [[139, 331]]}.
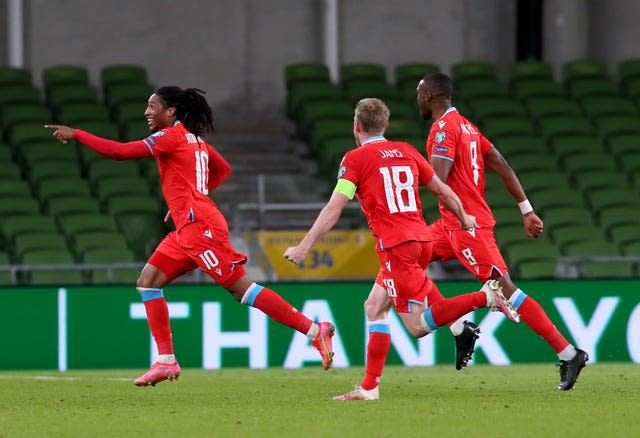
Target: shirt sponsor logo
{"points": [[441, 149], [341, 171], [440, 136]]}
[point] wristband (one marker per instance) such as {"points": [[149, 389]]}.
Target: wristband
{"points": [[525, 207]]}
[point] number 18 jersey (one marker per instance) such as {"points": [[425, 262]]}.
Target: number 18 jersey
{"points": [[386, 175], [454, 138]]}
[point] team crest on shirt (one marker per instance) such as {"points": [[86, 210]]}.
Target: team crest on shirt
{"points": [[440, 136], [341, 171]]}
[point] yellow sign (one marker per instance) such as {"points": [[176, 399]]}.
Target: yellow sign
{"points": [[340, 254]]}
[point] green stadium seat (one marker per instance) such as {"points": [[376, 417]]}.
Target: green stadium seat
{"points": [[479, 88], [628, 69], [530, 162], [588, 161], [631, 162], [305, 92], [323, 110], [465, 70], [57, 277], [404, 128], [33, 154], [584, 69], [12, 76], [540, 107], [13, 188], [574, 145], [136, 93], [304, 72], [605, 198], [543, 180], [619, 145], [18, 206], [359, 71], [527, 89], [72, 225], [25, 112], [519, 144], [507, 235], [62, 187], [503, 126], [64, 75], [412, 72], [583, 88], [43, 173], [591, 248], [142, 231], [356, 90], [564, 216], [28, 132], [624, 234], [552, 197], [325, 130], [539, 269], [18, 225], [632, 249], [69, 205], [100, 240], [121, 185], [29, 242], [589, 180], [527, 70], [101, 129], [5, 276], [565, 236], [617, 125], [497, 197], [531, 250], [631, 88], [616, 216], [129, 112], [72, 114], [508, 215], [496, 106], [9, 170], [72, 94], [608, 270], [135, 130], [596, 107], [330, 153], [109, 168], [556, 126], [117, 74], [115, 255], [19, 94]]}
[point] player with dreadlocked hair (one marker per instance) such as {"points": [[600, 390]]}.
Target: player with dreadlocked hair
{"points": [[189, 169]]}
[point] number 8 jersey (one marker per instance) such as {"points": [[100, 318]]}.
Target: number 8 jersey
{"points": [[454, 138], [384, 176]]}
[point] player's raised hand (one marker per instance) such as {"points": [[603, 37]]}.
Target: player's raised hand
{"points": [[295, 254], [533, 225], [62, 133]]}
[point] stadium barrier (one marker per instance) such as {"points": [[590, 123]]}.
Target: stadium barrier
{"points": [[104, 327]]}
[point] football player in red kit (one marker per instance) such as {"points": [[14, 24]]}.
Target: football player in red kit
{"points": [[189, 169], [384, 176], [459, 154]]}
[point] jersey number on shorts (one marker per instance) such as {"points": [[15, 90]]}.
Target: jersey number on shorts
{"points": [[470, 258], [399, 179], [202, 172], [209, 259], [473, 148], [391, 288]]}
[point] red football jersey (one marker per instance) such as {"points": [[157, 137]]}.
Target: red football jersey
{"points": [[386, 175], [184, 162], [456, 139]]}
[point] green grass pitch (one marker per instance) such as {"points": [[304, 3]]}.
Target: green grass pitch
{"points": [[518, 400]]}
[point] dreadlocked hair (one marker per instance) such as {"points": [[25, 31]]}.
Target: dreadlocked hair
{"points": [[192, 109]]}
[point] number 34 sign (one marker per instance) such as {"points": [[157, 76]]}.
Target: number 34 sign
{"points": [[340, 254]]}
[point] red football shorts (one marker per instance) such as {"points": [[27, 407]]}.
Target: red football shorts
{"points": [[402, 274], [199, 244], [477, 251]]}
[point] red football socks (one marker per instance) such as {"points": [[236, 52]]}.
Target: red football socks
{"points": [[450, 309], [377, 350], [535, 317], [158, 319], [278, 309]]}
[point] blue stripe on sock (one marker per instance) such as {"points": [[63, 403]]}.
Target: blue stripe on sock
{"points": [[151, 294], [379, 328], [519, 300], [428, 318], [254, 294]]}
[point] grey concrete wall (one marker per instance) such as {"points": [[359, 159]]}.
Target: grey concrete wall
{"points": [[236, 49]]}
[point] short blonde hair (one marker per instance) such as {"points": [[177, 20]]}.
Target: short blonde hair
{"points": [[373, 115]]}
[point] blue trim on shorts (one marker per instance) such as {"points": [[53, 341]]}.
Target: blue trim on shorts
{"points": [[428, 318], [379, 328], [519, 300], [410, 302], [254, 294], [151, 294]]}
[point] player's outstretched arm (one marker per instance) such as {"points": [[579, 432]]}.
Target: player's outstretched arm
{"points": [[109, 148], [325, 221], [451, 201]]}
